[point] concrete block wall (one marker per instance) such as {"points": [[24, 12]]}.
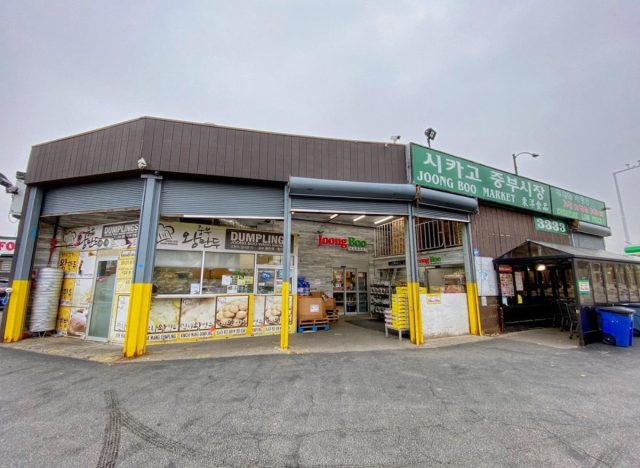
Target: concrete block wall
{"points": [[316, 262]]}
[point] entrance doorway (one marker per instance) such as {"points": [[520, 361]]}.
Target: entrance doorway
{"points": [[100, 318]]}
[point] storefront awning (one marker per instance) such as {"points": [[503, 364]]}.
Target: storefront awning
{"points": [[533, 251], [307, 187]]}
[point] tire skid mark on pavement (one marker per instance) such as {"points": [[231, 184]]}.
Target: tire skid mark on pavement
{"points": [[117, 418], [111, 444]]}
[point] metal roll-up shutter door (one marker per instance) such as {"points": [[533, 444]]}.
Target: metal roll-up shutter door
{"points": [[349, 205], [113, 195], [220, 200], [434, 213]]}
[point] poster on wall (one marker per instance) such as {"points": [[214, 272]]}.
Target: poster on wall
{"points": [[66, 294], [164, 319], [506, 285], [124, 275], [197, 317], [231, 315], [86, 264], [258, 312], [62, 322], [77, 321], [486, 277], [120, 321], [68, 262], [83, 292], [187, 236], [518, 277]]}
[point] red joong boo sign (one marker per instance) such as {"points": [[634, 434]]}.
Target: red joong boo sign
{"points": [[345, 243]]}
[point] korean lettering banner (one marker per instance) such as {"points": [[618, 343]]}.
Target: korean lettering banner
{"points": [[574, 206], [438, 170]]}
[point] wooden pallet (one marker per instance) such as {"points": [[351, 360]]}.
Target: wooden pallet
{"points": [[312, 328], [332, 315]]}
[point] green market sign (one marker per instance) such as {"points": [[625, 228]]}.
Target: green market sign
{"points": [[441, 171], [550, 225], [574, 206]]}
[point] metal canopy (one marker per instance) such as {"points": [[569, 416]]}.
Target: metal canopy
{"points": [[307, 187], [532, 251], [448, 201], [592, 229]]}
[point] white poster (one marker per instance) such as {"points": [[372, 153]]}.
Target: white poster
{"points": [[486, 277]]}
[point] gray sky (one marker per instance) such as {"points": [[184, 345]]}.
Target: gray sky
{"points": [[492, 77]]}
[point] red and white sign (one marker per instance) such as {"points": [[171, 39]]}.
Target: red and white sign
{"points": [[349, 243], [7, 246]]}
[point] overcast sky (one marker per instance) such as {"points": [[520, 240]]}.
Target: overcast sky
{"points": [[492, 77]]}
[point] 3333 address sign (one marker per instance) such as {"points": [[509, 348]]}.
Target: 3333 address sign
{"points": [[550, 225]]}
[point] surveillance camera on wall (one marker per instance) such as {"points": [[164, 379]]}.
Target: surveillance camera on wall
{"points": [[142, 163]]}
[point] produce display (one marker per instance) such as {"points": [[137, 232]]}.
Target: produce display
{"points": [[231, 312]]}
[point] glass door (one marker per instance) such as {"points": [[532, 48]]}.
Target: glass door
{"points": [[338, 287], [363, 300], [100, 318], [350, 292]]}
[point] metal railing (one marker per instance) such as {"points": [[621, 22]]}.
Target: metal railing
{"points": [[431, 234]]}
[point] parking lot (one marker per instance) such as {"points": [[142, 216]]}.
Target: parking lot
{"points": [[499, 402]]}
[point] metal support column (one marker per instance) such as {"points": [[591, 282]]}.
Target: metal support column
{"points": [[23, 259], [416, 333], [286, 267], [135, 339], [475, 326]]}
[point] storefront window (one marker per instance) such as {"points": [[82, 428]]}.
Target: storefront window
{"points": [[611, 283], [585, 292], [265, 259], [597, 283], [570, 283], [176, 271], [445, 280], [227, 273], [634, 285], [623, 288]]}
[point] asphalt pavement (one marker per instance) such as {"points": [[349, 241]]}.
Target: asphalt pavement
{"points": [[498, 402]]}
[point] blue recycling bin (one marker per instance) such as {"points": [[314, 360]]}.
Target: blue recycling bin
{"points": [[617, 325], [636, 316]]}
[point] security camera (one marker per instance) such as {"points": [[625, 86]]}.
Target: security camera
{"points": [[142, 163], [395, 138]]}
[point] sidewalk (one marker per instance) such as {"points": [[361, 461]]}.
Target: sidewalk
{"points": [[343, 337]]}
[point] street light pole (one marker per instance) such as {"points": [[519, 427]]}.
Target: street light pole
{"points": [[624, 219], [515, 157]]}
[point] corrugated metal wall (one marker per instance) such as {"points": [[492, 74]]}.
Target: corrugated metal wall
{"points": [[111, 195], [497, 230], [176, 147], [189, 197]]}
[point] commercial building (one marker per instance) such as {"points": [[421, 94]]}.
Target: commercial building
{"points": [[159, 230]]}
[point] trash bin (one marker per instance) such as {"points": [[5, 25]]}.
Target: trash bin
{"points": [[617, 325], [636, 316]]}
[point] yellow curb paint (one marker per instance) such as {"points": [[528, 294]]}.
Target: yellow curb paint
{"points": [[135, 337], [284, 316], [16, 310], [475, 328], [250, 315]]}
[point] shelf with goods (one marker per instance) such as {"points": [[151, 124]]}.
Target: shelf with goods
{"points": [[349, 289], [380, 296], [397, 318]]}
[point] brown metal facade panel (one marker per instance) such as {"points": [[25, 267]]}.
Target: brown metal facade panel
{"points": [[202, 149], [497, 230]]}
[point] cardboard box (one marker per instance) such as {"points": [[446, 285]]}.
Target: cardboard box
{"points": [[310, 308]]}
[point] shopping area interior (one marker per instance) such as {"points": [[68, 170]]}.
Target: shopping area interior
{"points": [[222, 278]]}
